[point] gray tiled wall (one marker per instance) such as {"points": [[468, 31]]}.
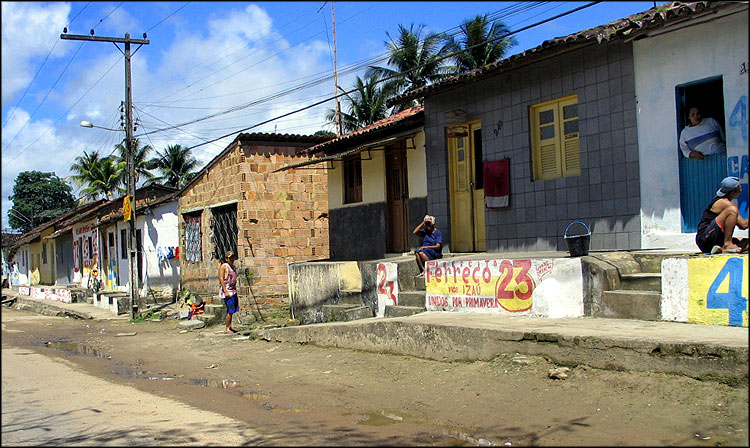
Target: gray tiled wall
{"points": [[606, 195]]}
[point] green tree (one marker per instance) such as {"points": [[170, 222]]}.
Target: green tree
{"points": [[325, 133], [140, 161], [37, 198], [479, 43], [366, 105], [175, 164], [98, 176], [416, 60]]}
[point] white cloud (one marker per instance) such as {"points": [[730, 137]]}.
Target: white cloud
{"points": [[29, 31]]}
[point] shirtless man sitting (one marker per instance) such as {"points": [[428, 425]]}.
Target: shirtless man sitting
{"points": [[719, 220]]}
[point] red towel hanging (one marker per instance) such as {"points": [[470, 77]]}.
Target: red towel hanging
{"points": [[497, 184]]}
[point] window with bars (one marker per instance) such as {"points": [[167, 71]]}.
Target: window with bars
{"points": [[224, 229], [192, 236], [555, 139], [353, 179]]}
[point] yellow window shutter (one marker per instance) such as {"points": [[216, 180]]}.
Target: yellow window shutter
{"points": [[571, 149]]}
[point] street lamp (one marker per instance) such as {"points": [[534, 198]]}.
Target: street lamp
{"points": [[88, 124], [132, 291]]}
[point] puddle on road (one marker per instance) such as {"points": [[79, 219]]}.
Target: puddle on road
{"points": [[76, 349], [383, 418]]}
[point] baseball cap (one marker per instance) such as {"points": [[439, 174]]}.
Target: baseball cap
{"points": [[728, 185]]}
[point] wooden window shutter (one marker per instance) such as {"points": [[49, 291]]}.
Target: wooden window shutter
{"points": [[571, 148], [555, 139]]}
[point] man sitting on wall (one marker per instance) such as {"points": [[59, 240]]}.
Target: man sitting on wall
{"points": [[717, 224]]}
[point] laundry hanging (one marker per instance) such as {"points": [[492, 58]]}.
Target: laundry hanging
{"points": [[497, 184]]}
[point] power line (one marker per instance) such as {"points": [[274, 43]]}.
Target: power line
{"points": [[400, 74], [13, 111]]}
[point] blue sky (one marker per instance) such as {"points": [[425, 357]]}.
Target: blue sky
{"points": [[205, 58]]}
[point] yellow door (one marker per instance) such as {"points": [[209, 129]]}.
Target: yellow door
{"points": [[466, 188]]}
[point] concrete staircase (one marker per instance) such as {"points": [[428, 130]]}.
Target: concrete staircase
{"points": [[214, 310], [635, 293], [411, 295]]}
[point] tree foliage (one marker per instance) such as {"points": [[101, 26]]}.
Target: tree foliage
{"points": [[140, 161], [98, 176], [480, 43], [365, 106], [37, 198], [415, 60], [175, 164]]}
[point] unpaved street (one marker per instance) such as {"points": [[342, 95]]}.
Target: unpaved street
{"points": [[68, 381]]}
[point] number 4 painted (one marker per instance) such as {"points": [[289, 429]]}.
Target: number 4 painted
{"points": [[731, 300]]}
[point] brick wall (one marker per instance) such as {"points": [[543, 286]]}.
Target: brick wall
{"points": [[607, 193], [281, 218]]}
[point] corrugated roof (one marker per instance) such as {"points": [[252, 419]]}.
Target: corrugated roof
{"points": [[624, 28]]}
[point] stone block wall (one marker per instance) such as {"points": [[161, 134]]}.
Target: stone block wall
{"points": [[281, 218], [606, 195]]}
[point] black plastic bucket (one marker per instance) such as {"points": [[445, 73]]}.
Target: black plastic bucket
{"points": [[578, 245]]}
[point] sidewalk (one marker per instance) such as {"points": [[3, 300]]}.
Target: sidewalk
{"points": [[699, 351], [55, 308]]}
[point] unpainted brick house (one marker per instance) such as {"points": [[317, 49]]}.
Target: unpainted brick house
{"points": [[268, 219]]}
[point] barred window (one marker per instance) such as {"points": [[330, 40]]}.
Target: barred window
{"points": [[193, 237], [224, 229]]}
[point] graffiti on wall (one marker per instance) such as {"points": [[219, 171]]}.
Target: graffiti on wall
{"points": [[492, 285], [387, 286], [718, 291]]}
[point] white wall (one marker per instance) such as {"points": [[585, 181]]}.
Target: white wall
{"points": [[160, 231], [661, 63]]}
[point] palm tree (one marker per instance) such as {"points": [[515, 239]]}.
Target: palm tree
{"points": [[416, 61], [480, 43], [100, 176], [366, 105], [175, 164], [140, 160]]}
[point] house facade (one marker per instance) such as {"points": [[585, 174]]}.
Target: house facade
{"points": [[268, 219], [564, 119], [377, 186], [675, 71]]}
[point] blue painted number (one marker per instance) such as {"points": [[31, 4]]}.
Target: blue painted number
{"points": [[731, 300], [739, 116]]}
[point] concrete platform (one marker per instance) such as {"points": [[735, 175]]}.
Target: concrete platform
{"points": [[80, 310], [699, 351]]}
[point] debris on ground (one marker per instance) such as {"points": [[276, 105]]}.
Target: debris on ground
{"points": [[125, 334], [559, 373]]}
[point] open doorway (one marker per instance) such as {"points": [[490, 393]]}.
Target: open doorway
{"points": [[699, 178]]}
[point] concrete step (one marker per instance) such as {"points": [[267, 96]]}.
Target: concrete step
{"points": [[419, 283], [411, 298], [400, 311], [209, 319], [351, 297], [345, 312], [645, 281], [650, 262], [625, 304]]}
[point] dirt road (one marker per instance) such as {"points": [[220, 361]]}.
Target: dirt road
{"points": [[302, 395]]}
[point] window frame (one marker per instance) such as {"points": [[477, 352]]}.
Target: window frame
{"points": [[567, 147], [193, 238], [352, 178]]}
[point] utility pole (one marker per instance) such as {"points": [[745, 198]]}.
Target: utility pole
{"points": [[339, 126], [129, 146]]}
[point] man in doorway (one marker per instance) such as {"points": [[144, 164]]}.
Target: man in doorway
{"points": [[701, 137], [719, 220]]}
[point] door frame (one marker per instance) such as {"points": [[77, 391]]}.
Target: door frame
{"points": [[476, 242]]}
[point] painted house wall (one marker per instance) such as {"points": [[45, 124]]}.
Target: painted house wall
{"points": [[160, 231], [281, 218], [82, 266], [717, 48], [47, 264], [22, 267], [606, 195], [365, 222]]}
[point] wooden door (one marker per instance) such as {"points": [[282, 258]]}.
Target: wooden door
{"points": [[397, 203], [466, 188]]}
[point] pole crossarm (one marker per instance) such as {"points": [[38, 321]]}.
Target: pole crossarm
{"points": [[120, 40]]}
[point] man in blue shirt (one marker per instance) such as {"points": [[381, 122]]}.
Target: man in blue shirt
{"points": [[432, 243]]}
